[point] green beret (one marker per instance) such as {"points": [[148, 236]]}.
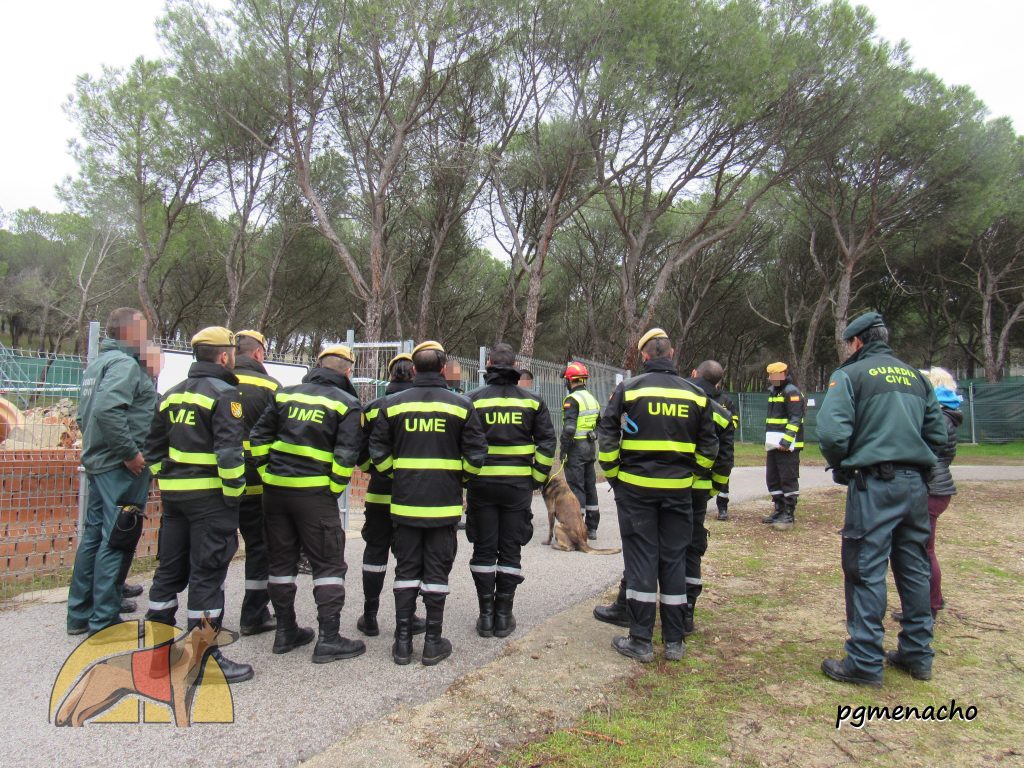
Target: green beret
{"points": [[862, 323]]}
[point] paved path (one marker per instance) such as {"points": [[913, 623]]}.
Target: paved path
{"points": [[294, 709]]}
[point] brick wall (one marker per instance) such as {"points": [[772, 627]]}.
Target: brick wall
{"points": [[39, 514], [357, 489]]}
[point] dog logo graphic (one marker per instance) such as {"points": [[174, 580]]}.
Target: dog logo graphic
{"points": [[144, 672]]}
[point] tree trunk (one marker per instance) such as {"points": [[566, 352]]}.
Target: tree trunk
{"points": [[842, 306]]}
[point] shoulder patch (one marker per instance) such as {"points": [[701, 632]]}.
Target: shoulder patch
{"points": [[566, 405], [236, 410], [795, 399], [832, 383]]}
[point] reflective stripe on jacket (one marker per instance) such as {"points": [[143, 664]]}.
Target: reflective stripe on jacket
{"points": [[430, 439], [657, 431], [310, 440], [195, 445]]}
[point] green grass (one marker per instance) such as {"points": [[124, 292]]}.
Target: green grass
{"points": [[1011, 453]]}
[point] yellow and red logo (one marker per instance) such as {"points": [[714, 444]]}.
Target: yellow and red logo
{"points": [[236, 410], [144, 672]]}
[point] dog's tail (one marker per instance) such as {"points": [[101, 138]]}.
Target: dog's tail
{"points": [[610, 551]]}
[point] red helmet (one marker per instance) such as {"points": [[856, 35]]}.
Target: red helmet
{"points": [[575, 371]]}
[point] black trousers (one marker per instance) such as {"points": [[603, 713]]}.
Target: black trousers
{"points": [[499, 523], [582, 479], [250, 525], [698, 546], [310, 521], [655, 531], [198, 538], [377, 531], [425, 557], [782, 474]]}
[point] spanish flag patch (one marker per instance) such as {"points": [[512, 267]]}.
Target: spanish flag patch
{"points": [[795, 399]]}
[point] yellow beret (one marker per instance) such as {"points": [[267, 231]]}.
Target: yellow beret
{"points": [[339, 350], [215, 335], [396, 358], [777, 368], [654, 333], [428, 345], [254, 335]]}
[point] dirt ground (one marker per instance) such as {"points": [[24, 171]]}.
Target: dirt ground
{"points": [[749, 692]]}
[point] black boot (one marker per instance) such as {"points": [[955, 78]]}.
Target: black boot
{"points": [[401, 651], [330, 646], [264, 623], [131, 590], [723, 509], [418, 625], [687, 620], [485, 621], [786, 520], [367, 623], [593, 518], [234, 672], [634, 648], [128, 606], [504, 621], [290, 635], [780, 510], [435, 647], [616, 613]]}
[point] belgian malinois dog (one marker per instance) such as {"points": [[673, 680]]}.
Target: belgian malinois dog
{"points": [[566, 530], [168, 673]]}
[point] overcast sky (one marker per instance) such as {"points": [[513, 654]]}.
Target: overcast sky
{"points": [[45, 44]]}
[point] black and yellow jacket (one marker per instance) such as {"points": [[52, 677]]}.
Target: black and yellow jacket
{"points": [[726, 431], [195, 445], [257, 388], [378, 490], [657, 431], [310, 440], [520, 435], [784, 424], [430, 439]]}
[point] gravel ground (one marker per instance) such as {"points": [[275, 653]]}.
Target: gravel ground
{"points": [[294, 709]]}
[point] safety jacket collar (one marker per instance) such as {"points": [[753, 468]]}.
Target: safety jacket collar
{"points": [[660, 365], [246, 363], [203, 370], [871, 349], [709, 389], [116, 345], [501, 375], [329, 378], [424, 379], [397, 386]]}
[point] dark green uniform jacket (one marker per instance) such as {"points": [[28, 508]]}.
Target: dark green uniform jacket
{"points": [[726, 431], [378, 490], [657, 431], [116, 409], [310, 440], [257, 388], [520, 435], [430, 438], [879, 409], [195, 446], [786, 408]]}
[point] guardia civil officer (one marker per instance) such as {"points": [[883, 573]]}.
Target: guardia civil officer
{"points": [[580, 411], [430, 438], [306, 446], [499, 521], [708, 378], [115, 413], [377, 528], [195, 451], [657, 434], [784, 439], [257, 388], [880, 427]]}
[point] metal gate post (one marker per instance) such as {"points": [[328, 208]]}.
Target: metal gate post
{"points": [[92, 350], [483, 364], [974, 431]]}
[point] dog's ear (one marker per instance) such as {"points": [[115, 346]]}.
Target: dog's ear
{"points": [[224, 637]]}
